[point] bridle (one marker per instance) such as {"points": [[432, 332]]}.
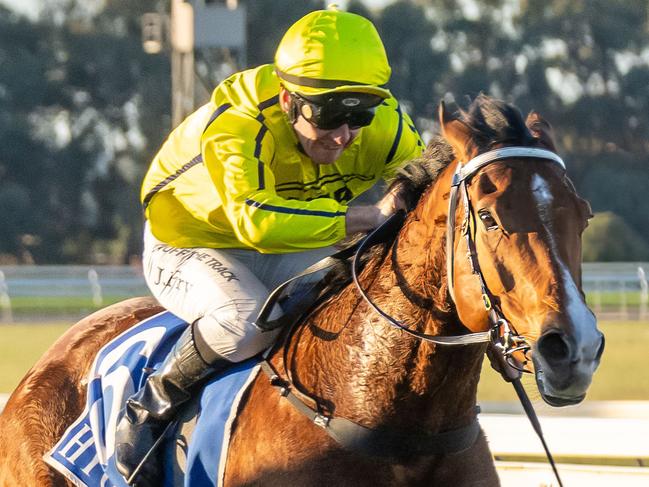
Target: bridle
{"points": [[501, 334]]}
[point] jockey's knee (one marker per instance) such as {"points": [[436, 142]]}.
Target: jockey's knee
{"points": [[229, 332]]}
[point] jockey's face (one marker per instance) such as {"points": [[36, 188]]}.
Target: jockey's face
{"points": [[322, 146]]}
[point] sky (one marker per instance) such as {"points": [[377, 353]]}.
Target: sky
{"points": [[25, 7]]}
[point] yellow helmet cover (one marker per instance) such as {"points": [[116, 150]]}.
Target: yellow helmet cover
{"points": [[329, 51]]}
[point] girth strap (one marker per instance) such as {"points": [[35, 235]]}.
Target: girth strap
{"points": [[381, 442]]}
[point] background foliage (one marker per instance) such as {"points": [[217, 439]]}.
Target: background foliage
{"points": [[83, 109]]}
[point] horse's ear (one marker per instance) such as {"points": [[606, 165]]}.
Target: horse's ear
{"points": [[584, 205], [541, 130], [455, 132]]}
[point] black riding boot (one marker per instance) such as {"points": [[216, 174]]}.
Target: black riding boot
{"points": [[152, 408]]}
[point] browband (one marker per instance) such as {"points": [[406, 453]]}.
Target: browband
{"points": [[474, 165], [466, 171]]}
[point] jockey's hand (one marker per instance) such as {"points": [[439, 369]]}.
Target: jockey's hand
{"points": [[391, 202], [366, 218]]}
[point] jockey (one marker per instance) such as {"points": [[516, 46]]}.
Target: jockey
{"points": [[252, 188]]}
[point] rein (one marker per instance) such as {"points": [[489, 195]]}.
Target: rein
{"points": [[503, 340]]}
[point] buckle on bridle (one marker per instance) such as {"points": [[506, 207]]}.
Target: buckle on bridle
{"points": [[506, 342], [322, 421], [487, 304]]}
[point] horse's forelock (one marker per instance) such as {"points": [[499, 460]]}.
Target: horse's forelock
{"points": [[493, 122]]}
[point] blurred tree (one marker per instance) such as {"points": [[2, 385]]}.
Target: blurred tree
{"points": [[587, 48], [96, 111], [83, 109], [586, 70], [609, 238], [359, 8], [25, 161], [407, 34], [268, 20], [614, 181], [479, 43]]}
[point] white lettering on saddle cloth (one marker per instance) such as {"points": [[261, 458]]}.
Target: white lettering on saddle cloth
{"points": [[79, 444], [83, 453]]}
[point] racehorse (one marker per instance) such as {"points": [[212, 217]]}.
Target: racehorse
{"points": [[491, 248]]}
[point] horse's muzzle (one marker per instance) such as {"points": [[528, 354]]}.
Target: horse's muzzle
{"points": [[565, 365]]}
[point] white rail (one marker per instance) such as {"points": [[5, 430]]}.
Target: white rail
{"points": [[595, 444], [614, 290]]}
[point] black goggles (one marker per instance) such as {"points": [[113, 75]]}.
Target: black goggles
{"points": [[331, 112]]}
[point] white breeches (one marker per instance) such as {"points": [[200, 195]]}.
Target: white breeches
{"points": [[221, 289]]}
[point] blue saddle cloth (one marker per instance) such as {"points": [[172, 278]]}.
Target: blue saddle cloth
{"points": [[85, 453]]}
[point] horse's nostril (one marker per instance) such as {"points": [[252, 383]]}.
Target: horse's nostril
{"points": [[600, 350], [553, 347]]}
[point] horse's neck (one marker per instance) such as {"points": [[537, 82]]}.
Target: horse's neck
{"points": [[355, 363]]}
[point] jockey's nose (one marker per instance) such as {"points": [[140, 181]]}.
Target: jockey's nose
{"points": [[341, 135]]}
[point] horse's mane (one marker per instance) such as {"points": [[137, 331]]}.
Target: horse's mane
{"points": [[422, 171]]}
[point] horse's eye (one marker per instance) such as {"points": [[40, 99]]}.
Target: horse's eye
{"points": [[487, 220]]}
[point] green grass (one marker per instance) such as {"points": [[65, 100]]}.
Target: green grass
{"points": [[43, 305], [612, 298], [622, 374], [21, 346]]}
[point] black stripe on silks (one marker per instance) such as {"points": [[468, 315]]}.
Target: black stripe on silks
{"points": [[317, 83], [294, 211], [260, 165], [196, 160], [216, 114], [397, 138], [317, 184], [268, 103]]}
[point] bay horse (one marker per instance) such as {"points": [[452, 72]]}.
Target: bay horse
{"points": [[491, 188]]}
